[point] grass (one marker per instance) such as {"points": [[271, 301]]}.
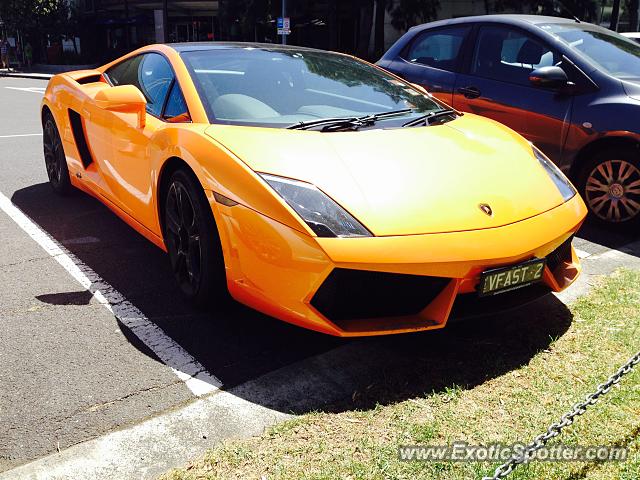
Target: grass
{"points": [[503, 382]]}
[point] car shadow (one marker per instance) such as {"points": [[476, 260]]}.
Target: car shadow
{"points": [[609, 239], [247, 350]]}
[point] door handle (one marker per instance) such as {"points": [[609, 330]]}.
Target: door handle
{"points": [[470, 92]]}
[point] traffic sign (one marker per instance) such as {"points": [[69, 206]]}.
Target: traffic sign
{"points": [[284, 25]]}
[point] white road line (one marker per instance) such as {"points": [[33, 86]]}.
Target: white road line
{"points": [[187, 368], [22, 135], [28, 89]]}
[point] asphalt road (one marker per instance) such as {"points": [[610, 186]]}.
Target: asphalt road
{"points": [[71, 371]]}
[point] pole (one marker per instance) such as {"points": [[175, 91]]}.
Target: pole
{"points": [[165, 20], [127, 31], [284, 14]]}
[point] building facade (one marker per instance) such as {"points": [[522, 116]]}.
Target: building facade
{"points": [[106, 29]]}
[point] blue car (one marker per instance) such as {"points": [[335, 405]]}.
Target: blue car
{"points": [[571, 88]]}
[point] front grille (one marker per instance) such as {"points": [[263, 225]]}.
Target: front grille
{"points": [[469, 305], [359, 294], [559, 255]]}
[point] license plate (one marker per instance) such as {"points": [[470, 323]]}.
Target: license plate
{"points": [[501, 280]]}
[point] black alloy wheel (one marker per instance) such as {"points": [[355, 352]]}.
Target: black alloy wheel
{"points": [[192, 241], [54, 158]]}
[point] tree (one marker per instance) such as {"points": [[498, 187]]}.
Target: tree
{"points": [[364, 12], [615, 15], [38, 19], [407, 13], [378, 43], [633, 7]]}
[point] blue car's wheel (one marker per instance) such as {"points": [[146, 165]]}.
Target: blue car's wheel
{"points": [[610, 184]]}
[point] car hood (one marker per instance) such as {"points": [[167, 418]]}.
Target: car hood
{"points": [[405, 181]]}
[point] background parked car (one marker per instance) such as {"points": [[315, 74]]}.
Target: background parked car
{"points": [[571, 88], [633, 35]]}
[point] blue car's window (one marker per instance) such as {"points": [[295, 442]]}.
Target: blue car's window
{"points": [[438, 48], [616, 55], [277, 87], [509, 55]]}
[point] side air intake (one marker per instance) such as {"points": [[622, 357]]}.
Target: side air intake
{"points": [[80, 139]]}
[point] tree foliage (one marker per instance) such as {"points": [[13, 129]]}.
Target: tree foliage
{"points": [[46, 16], [586, 10], [407, 13]]}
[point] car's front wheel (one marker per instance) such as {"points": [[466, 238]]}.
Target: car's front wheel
{"points": [[610, 185], [192, 241], [54, 158]]}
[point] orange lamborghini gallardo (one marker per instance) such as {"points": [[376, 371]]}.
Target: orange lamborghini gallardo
{"points": [[313, 186]]}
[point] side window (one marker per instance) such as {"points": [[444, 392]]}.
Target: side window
{"points": [[509, 55], [125, 73], [176, 105], [151, 73], [155, 76], [438, 48]]}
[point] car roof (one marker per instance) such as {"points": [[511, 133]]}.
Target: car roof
{"points": [[509, 19]]}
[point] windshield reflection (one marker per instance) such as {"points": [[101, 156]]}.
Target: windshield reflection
{"points": [[279, 87]]}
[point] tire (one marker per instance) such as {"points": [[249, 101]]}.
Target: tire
{"points": [[55, 160], [193, 243], [609, 183]]}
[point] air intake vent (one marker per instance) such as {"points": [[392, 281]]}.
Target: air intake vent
{"points": [[559, 255], [358, 294], [469, 305], [89, 79], [81, 140]]}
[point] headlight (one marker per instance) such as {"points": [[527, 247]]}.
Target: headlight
{"points": [[324, 216], [562, 182]]}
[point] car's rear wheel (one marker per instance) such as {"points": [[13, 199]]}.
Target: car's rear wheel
{"points": [[192, 241], [610, 185], [54, 158]]}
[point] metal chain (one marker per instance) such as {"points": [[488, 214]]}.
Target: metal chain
{"points": [[567, 419]]}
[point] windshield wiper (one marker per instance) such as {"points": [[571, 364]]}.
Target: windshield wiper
{"points": [[332, 124], [430, 117], [379, 116]]}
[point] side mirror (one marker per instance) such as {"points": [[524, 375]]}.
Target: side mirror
{"points": [[549, 77], [123, 99]]}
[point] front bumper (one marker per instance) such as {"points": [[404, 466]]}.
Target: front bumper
{"points": [[291, 276]]}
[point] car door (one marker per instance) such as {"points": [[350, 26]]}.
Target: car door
{"points": [[126, 162], [432, 58], [495, 84]]}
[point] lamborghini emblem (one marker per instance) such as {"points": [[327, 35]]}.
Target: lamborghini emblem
{"points": [[486, 209]]}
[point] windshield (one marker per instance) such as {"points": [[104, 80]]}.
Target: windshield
{"points": [[616, 55], [280, 87]]}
